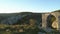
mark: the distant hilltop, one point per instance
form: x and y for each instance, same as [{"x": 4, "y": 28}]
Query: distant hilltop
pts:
[{"x": 26, "y": 12}]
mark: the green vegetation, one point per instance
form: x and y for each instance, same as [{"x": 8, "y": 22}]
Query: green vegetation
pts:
[
  {"x": 28, "y": 29},
  {"x": 24, "y": 29}
]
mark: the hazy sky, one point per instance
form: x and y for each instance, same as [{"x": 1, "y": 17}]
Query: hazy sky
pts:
[{"x": 9, "y": 6}]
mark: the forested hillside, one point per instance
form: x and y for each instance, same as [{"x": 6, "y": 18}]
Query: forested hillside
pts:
[{"x": 10, "y": 18}]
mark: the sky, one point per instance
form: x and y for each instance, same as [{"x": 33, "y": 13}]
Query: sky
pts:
[{"x": 37, "y": 6}]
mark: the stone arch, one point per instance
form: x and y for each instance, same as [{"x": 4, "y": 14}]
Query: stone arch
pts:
[
  {"x": 50, "y": 19},
  {"x": 55, "y": 22},
  {"x": 44, "y": 19}
]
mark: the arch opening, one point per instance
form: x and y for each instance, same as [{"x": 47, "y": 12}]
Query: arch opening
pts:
[{"x": 51, "y": 21}]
